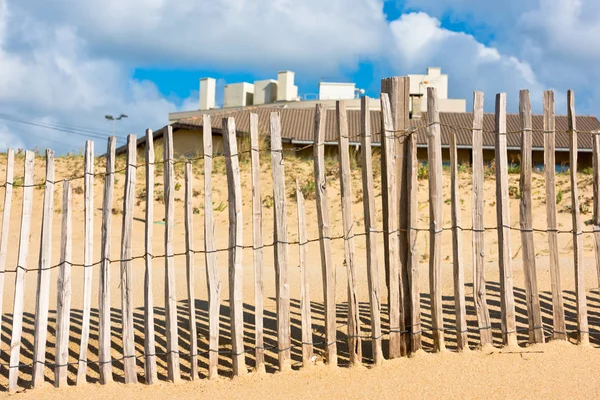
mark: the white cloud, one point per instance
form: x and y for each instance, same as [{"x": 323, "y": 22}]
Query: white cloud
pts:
[
  {"x": 421, "y": 42},
  {"x": 310, "y": 35}
]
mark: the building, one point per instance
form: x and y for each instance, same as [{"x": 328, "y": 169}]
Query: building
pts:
[
  {"x": 282, "y": 92},
  {"x": 298, "y": 123}
]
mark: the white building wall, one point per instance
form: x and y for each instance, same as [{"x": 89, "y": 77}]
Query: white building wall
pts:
[
  {"x": 239, "y": 95},
  {"x": 286, "y": 90},
  {"x": 434, "y": 78},
  {"x": 336, "y": 91},
  {"x": 265, "y": 92},
  {"x": 208, "y": 87}
]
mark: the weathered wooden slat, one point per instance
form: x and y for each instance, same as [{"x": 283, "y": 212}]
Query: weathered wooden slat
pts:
[
  {"x": 580, "y": 296},
  {"x": 413, "y": 293},
  {"x": 104, "y": 339},
  {"x": 43, "y": 282},
  {"x": 257, "y": 245},
  {"x": 390, "y": 230},
  {"x": 8, "y": 189},
  {"x": 507, "y": 300},
  {"x": 398, "y": 89},
  {"x": 434, "y": 163},
  {"x": 327, "y": 268},
  {"x": 282, "y": 284},
  {"x": 479, "y": 295},
  {"x": 210, "y": 247},
  {"x": 536, "y": 332},
  {"x": 235, "y": 246},
  {"x": 63, "y": 290},
  {"x": 151, "y": 373},
  {"x": 88, "y": 255},
  {"x": 189, "y": 269},
  {"x": 596, "y": 195},
  {"x": 127, "y": 333},
  {"x": 462, "y": 336},
  {"x": 370, "y": 229},
  {"x": 307, "y": 342},
  {"x": 354, "y": 339},
  {"x": 18, "y": 303},
  {"x": 173, "y": 368},
  {"x": 558, "y": 309}
]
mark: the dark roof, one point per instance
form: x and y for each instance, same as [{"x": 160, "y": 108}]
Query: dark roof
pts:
[{"x": 297, "y": 125}]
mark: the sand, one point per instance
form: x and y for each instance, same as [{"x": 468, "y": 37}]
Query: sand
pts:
[{"x": 552, "y": 370}]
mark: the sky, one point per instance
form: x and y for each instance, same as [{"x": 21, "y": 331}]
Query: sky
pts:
[{"x": 65, "y": 64}]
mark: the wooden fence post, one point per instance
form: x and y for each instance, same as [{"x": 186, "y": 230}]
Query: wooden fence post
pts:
[
  {"x": 8, "y": 189},
  {"x": 558, "y": 309},
  {"x": 307, "y": 343},
  {"x": 189, "y": 269},
  {"x": 479, "y": 296},
  {"x": 328, "y": 271},
  {"x": 354, "y": 339},
  {"x": 282, "y": 283},
  {"x": 536, "y": 331},
  {"x": 43, "y": 283},
  {"x": 151, "y": 374},
  {"x": 370, "y": 229},
  {"x": 580, "y": 296},
  {"x": 596, "y": 194},
  {"x": 413, "y": 294},
  {"x": 173, "y": 368},
  {"x": 63, "y": 302},
  {"x": 129, "y": 360},
  {"x": 398, "y": 89},
  {"x": 257, "y": 245},
  {"x": 235, "y": 246},
  {"x": 210, "y": 247},
  {"x": 462, "y": 335},
  {"x": 88, "y": 259},
  {"x": 25, "y": 235},
  {"x": 507, "y": 300},
  {"x": 434, "y": 163},
  {"x": 104, "y": 340},
  {"x": 397, "y": 347}
]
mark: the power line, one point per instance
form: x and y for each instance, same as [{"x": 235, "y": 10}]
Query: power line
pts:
[{"x": 85, "y": 132}]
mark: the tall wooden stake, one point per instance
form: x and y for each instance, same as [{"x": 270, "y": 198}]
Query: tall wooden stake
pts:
[
  {"x": 481, "y": 307},
  {"x": 151, "y": 373},
  {"x": 63, "y": 290},
  {"x": 127, "y": 332},
  {"x": 88, "y": 259},
  {"x": 558, "y": 309},
  {"x": 536, "y": 332},
  {"x": 210, "y": 247},
  {"x": 390, "y": 215},
  {"x": 282, "y": 283},
  {"x": 328, "y": 271},
  {"x": 354, "y": 340},
  {"x": 18, "y": 303},
  {"x": 307, "y": 343},
  {"x": 235, "y": 246},
  {"x": 462, "y": 336},
  {"x": 8, "y": 189},
  {"x": 580, "y": 297},
  {"x": 104, "y": 337},
  {"x": 43, "y": 284},
  {"x": 257, "y": 244},
  {"x": 370, "y": 230},
  {"x": 189, "y": 269},
  {"x": 173, "y": 368}
]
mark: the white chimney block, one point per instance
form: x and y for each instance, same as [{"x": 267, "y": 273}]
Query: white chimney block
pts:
[
  {"x": 286, "y": 90},
  {"x": 208, "y": 90}
]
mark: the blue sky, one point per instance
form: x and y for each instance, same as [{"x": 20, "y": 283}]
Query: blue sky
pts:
[{"x": 67, "y": 64}]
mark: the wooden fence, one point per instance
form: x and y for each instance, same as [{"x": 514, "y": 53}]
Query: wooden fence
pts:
[{"x": 401, "y": 321}]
